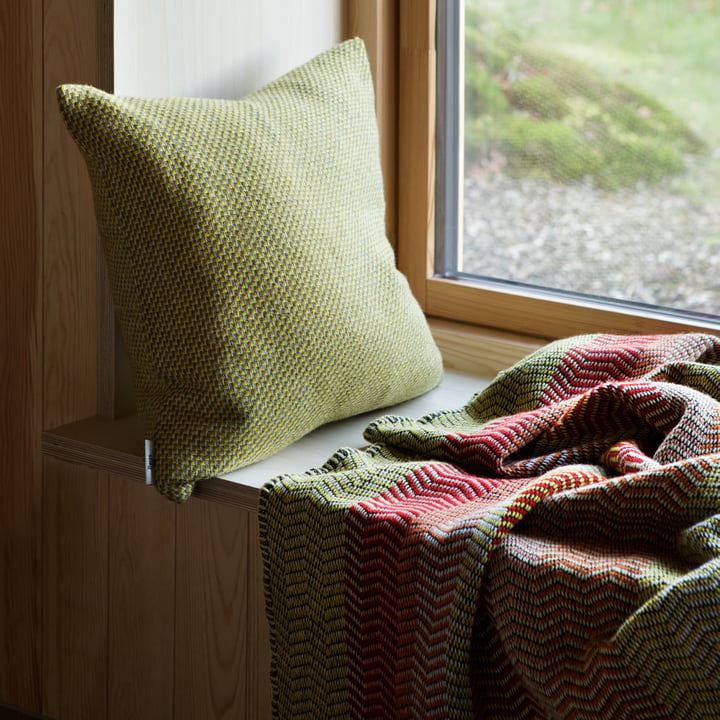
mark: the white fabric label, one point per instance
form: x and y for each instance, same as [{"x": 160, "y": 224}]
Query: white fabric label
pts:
[{"x": 149, "y": 461}]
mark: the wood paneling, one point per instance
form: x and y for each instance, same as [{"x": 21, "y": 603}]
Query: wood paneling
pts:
[
  {"x": 222, "y": 664},
  {"x": 21, "y": 353},
  {"x": 74, "y": 538},
  {"x": 75, "y": 592},
  {"x": 259, "y": 687},
  {"x": 116, "y": 446},
  {"x": 69, "y": 222},
  {"x": 141, "y": 619},
  {"x": 151, "y": 609}
]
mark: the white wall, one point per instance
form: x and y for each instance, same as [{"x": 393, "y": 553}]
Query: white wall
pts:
[{"x": 216, "y": 48}]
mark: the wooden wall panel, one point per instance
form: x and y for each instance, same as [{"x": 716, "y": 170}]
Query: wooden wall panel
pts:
[
  {"x": 141, "y": 602},
  {"x": 69, "y": 222},
  {"x": 75, "y": 592},
  {"x": 74, "y": 538},
  {"x": 259, "y": 688},
  {"x": 20, "y": 350},
  {"x": 220, "y": 671},
  {"x": 376, "y": 22}
]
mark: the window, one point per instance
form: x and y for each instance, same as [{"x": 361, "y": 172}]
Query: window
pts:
[{"x": 454, "y": 293}]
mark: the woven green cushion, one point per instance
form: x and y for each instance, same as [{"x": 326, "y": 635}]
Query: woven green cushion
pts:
[{"x": 245, "y": 242}]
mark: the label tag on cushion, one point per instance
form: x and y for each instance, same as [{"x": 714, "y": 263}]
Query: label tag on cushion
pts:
[{"x": 149, "y": 461}]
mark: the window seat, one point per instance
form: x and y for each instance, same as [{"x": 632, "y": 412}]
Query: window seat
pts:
[
  {"x": 116, "y": 446},
  {"x": 162, "y": 606},
  {"x": 472, "y": 357}
]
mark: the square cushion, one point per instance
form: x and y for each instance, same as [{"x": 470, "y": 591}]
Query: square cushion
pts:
[{"x": 245, "y": 243}]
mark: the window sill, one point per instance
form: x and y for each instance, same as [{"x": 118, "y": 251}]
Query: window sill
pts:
[
  {"x": 534, "y": 312},
  {"x": 472, "y": 358}
]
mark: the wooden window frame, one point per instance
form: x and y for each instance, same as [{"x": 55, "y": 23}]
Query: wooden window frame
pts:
[{"x": 486, "y": 305}]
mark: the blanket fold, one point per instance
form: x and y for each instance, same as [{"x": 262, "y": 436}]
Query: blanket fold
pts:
[{"x": 549, "y": 550}]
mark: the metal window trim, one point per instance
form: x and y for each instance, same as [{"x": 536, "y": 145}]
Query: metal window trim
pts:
[{"x": 449, "y": 75}]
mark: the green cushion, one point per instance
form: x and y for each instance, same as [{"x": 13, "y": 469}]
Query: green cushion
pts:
[{"x": 245, "y": 242}]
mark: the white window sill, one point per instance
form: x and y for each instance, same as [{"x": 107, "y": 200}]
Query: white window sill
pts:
[
  {"x": 315, "y": 449},
  {"x": 116, "y": 446},
  {"x": 472, "y": 356}
]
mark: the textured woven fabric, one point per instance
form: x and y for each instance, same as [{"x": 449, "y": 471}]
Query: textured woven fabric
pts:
[
  {"x": 247, "y": 256},
  {"x": 550, "y": 550}
]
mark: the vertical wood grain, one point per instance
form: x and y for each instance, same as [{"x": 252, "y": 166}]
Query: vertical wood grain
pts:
[
  {"x": 21, "y": 353},
  {"x": 69, "y": 222},
  {"x": 141, "y": 602},
  {"x": 75, "y": 591},
  {"x": 416, "y": 111},
  {"x": 221, "y": 672},
  {"x": 115, "y": 395},
  {"x": 75, "y": 570},
  {"x": 109, "y": 390},
  {"x": 259, "y": 687},
  {"x": 105, "y": 44},
  {"x": 375, "y": 21}
]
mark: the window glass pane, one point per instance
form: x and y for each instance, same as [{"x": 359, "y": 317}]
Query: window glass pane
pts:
[{"x": 591, "y": 148}]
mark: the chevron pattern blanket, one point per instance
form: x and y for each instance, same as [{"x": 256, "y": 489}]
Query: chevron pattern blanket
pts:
[{"x": 549, "y": 550}]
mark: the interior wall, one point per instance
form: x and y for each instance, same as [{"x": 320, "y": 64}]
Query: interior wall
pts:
[
  {"x": 216, "y": 48},
  {"x": 20, "y": 348},
  {"x": 47, "y": 312}
]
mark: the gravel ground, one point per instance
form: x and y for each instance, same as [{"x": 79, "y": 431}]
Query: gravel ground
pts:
[{"x": 646, "y": 245}]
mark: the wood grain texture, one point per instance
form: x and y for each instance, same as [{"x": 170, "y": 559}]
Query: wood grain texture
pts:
[
  {"x": 479, "y": 351},
  {"x": 151, "y": 609},
  {"x": 69, "y": 222},
  {"x": 259, "y": 687},
  {"x": 375, "y": 21},
  {"x": 116, "y": 447},
  {"x": 115, "y": 394},
  {"x": 105, "y": 44},
  {"x": 222, "y": 652},
  {"x": 416, "y": 143},
  {"x": 533, "y": 314},
  {"x": 75, "y": 592},
  {"x": 21, "y": 353},
  {"x": 141, "y": 607}
]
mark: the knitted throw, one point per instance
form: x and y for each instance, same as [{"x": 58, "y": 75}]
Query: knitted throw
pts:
[{"x": 550, "y": 550}]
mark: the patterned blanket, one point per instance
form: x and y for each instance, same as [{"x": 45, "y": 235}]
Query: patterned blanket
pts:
[{"x": 549, "y": 550}]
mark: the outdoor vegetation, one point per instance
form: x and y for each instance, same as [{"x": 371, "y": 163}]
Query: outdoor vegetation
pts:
[
  {"x": 538, "y": 99},
  {"x": 594, "y": 124}
]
